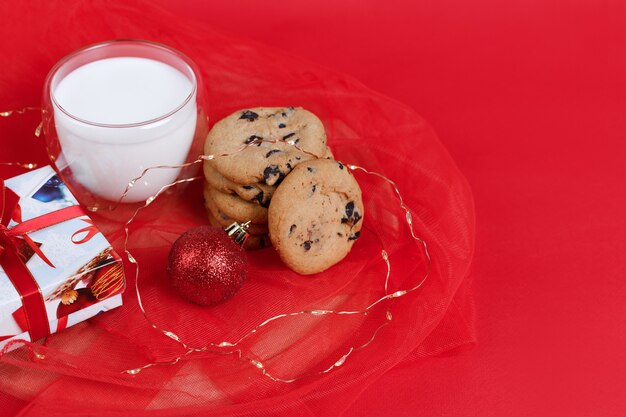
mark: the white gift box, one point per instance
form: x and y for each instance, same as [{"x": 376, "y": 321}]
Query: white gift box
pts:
[{"x": 82, "y": 277}]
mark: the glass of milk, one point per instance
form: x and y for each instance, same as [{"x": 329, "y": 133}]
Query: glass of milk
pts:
[{"x": 114, "y": 109}]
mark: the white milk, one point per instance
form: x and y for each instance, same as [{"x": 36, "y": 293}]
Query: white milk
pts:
[{"x": 116, "y": 97}]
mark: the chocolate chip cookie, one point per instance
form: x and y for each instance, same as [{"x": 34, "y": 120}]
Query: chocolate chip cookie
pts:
[
  {"x": 224, "y": 220},
  {"x": 234, "y": 207},
  {"x": 297, "y": 135},
  {"x": 316, "y": 215},
  {"x": 259, "y": 192}
]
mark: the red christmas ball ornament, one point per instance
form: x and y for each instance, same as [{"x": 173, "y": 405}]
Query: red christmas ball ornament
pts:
[{"x": 207, "y": 265}]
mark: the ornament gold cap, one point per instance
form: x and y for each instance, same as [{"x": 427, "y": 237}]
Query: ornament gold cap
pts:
[{"x": 238, "y": 232}]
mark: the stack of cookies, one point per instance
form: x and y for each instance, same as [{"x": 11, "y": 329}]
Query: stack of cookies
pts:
[
  {"x": 239, "y": 187},
  {"x": 254, "y": 151}
]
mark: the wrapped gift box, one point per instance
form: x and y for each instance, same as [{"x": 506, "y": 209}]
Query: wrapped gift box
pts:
[{"x": 61, "y": 270}]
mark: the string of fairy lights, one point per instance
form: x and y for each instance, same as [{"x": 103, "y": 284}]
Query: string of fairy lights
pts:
[{"x": 233, "y": 347}]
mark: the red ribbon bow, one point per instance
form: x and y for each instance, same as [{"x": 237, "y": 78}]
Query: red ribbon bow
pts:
[
  {"x": 13, "y": 262},
  {"x": 10, "y": 237},
  {"x": 90, "y": 231}
]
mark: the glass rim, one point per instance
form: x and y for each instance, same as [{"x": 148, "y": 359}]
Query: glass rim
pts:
[{"x": 184, "y": 58}]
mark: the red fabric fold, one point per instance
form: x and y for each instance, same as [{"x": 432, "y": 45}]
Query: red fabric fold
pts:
[{"x": 364, "y": 128}]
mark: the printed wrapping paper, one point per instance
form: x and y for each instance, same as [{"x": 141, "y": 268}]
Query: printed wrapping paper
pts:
[{"x": 73, "y": 265}]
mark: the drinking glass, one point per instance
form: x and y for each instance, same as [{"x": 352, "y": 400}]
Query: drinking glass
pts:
[{"x": 114, "y": 109}]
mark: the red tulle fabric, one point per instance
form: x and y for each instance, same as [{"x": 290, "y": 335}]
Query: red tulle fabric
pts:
[{"x": 81, "y": 372}]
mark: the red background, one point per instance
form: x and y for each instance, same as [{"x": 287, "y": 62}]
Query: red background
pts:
[{"x": 529, "y": 98}]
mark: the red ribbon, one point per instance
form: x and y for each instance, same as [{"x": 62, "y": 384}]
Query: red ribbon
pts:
[
  {"x": 90, "y": 231},
  {"x": 13, "y": 263}
]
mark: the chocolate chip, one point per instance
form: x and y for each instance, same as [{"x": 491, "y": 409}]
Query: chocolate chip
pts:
[
  {"x": 357, "y": 217},
  {"x": 313, "y": 188},
  {"x": 263, "y": 199},
  {"x": 297, "y": 141},
  {"x": 249, "y": 116},
  {"x": 273, "y": 151},
  {"x": 291, "y": 229},
  {"x": 349, "y": 209},
  {"x": 307, "y": 245},
  {"x": 248, "y": 187},
  {"x": 339, "y": 234},
  {"x": 288, "y": 136},
  {"x": 340, "y": 165},
  {"x": 344, "y": 220},
  {"x": 272, "y": 175},
  {"x": 252, "y": 138},
  {"x": 310, "y": 169},
  {"x": 355, "y": 236},
  {"x": 282, "y": 126},
  {"x": 288, "y": 165},
  {"x": 283, "y": 114},
  {"x": 298, "y": 158}
]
